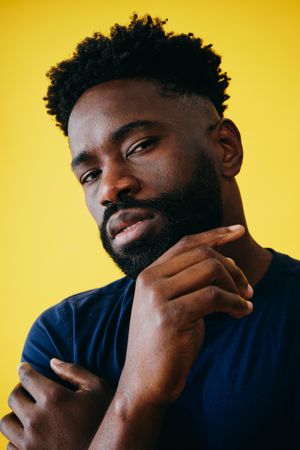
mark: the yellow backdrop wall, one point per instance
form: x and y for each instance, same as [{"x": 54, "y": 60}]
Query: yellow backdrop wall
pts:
[{"x": 49, "y": 244}]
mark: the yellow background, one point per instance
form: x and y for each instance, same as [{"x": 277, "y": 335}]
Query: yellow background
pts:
[{"x": 49, "y": 244}]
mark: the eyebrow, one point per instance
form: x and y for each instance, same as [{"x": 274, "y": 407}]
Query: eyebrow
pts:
[{"x": 117, "y": 136}]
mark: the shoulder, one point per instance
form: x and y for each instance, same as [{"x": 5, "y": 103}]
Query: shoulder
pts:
[
  {"x": 102, "y": 300},
  {"x": 75, "y": 321},
  {"x": 283, "y": 275},
  {"x": 277, "y": 296},
  {"x": 277, "y": 303},
  {"x": 288, "y": 266}
]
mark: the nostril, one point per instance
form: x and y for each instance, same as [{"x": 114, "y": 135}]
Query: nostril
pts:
[
  {"x": 124, "y": 193},
  {"x": 106, "y": 203}
]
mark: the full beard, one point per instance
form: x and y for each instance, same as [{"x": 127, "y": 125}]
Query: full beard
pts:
[{"x": 194, "y": 209}]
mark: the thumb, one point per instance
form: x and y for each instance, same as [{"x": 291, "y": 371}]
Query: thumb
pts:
[{"x": 75, "y": 374}]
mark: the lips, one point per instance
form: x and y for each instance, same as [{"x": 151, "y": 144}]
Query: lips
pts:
[{"x": 125, "y": 219}]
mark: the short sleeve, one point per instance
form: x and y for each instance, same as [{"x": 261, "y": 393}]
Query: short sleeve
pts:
[{"x": 49, "y": 337}]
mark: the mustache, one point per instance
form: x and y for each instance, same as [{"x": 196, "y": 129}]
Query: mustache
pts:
[{"x": 161, "y": 204}]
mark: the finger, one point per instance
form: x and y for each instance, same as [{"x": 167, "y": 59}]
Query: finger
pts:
[
  {"x": 198, "y": 304},
  {"x": 212, "y": 238},
  {"x": 240, "y": 279},
  {"x": 75, "y": 374},
  {"x": 11, "y": 446},
  {"x": 197, "y": 255},
  {"x": 20, "y": 402},
  {"x": 237, "y": 275},
  {"x": 210, "y": 272},
  {"x": 12, "y": 429},
  {"x": 38, "y": 386}
]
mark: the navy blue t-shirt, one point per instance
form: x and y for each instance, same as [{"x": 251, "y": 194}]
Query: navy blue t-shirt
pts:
[{"x": 242, "y": 393}]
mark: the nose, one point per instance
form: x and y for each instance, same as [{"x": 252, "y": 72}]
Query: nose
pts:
[{"x": 115, "y": 184}]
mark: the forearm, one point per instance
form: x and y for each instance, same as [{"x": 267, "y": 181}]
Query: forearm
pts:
[{"x": 128, "y": 426}]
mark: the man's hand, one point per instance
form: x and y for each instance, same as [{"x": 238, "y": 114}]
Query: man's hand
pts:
[
  {"x": 166, "y": 332},
  {"x": 49, "y": 416},
  {"x": 171, "y": 298}
]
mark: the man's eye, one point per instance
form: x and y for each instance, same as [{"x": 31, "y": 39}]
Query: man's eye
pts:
[
  {"x": 90, "y": 176},
  {"x": 141, "y": 145}
]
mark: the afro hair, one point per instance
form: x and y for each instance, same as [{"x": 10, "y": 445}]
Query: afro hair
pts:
[{"x": 141, "y": 50}]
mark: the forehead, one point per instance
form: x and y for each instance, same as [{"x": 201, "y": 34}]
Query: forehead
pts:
[{"x": 107, "y": 106}]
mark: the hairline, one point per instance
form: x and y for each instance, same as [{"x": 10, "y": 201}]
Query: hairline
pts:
[{"x": 166, "y": 90}]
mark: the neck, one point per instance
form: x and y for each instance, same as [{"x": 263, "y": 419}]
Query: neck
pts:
[{"x": 248, "y": 255}]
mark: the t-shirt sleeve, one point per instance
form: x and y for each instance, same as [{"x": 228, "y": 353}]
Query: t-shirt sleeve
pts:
[
  {"x": 293, "y": 350},
  {"x": 49, "y": 337}
]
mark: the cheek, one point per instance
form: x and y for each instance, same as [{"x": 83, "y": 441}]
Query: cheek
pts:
[
  {"x": 94, "y": 209},
  {"x": 171, "y": 173}
]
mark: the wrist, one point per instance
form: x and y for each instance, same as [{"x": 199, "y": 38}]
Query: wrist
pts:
[
  {"x": 129, "y": 423},
  {"x": 129, "y": 406}
]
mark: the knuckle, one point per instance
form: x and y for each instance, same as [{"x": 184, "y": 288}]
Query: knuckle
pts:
[
  {"x": 171, "y": 314},
  {"x": 214, "y": 266},
  {"x": 30, "y": 423},
  {"x": 152, "y": 289},
  {"x": 213, "y": 294},
  {"x": 51, "y": 397},
  {"x": 32, "y": 427},
  {"x": 157, "y": 291},
  {"x": 10, "y": 399},
  {"x": 185, "y": 242},
  {"x": 176, "y": 312},
  {"x": 205, "y": 252},
  {"x": 217, "y": 266},
  {"x": 144, "y": 279},
  {"x": 162, "y": 317},
  {"x": 12, "y": 395}
]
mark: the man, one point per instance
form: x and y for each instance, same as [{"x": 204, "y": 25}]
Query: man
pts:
[{"x": 174, "y": 355}]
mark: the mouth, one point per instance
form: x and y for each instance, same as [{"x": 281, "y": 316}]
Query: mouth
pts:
[{"x": 129, "y": 225}]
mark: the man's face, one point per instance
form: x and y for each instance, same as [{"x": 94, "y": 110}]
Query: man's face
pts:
[{"x": 146, "y": 164}]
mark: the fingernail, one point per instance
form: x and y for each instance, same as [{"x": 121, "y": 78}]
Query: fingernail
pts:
[
  {"x": 231, "y": 260},
  {"x": 235, "y": 227},
  {"x": 249, "y": 306},
  {"x": 249, "y": 291},
  {"x": 56, "y": 362},
  {"x": 22, "y": 366}
]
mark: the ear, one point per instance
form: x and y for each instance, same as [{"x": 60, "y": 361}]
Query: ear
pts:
[{"x": 229, "y": 140}]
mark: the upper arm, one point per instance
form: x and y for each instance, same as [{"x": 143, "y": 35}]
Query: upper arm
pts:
[{"x": 49, "y": 337}]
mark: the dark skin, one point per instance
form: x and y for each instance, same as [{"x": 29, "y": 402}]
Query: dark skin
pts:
[
  {"x": 200, "y": 274},
  {"x": 55, "y": 408}
]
